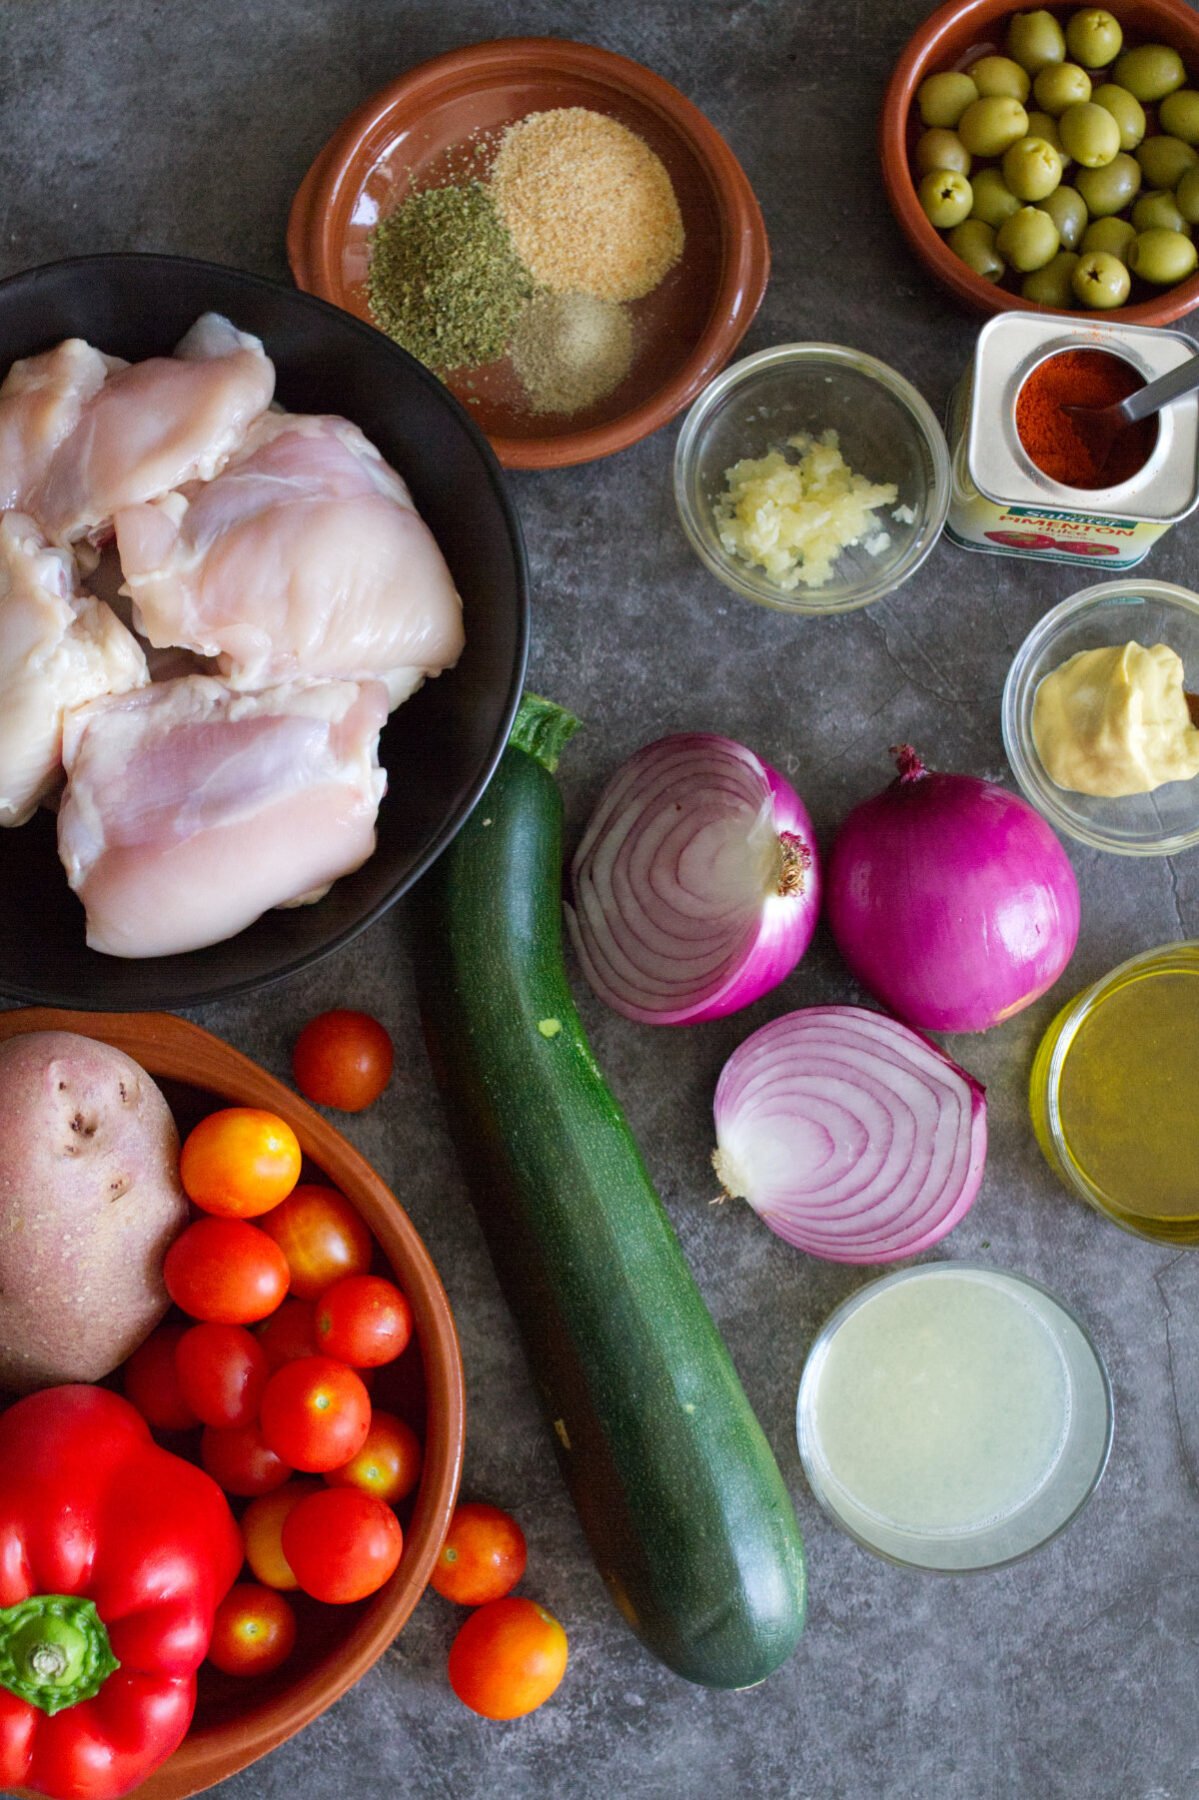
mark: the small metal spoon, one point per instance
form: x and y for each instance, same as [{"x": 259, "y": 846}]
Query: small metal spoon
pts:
[{"x": 1100, "y": 426}]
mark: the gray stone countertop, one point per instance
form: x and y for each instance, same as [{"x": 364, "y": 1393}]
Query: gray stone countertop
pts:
[{"x": 173, "y": 125}]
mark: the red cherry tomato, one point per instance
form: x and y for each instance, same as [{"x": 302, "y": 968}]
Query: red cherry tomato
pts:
[
  {"x": 315, "y": 1413},
  {"x": 343, "y": 1059},
  {"x": 222, "y": 1370},
  {"x": 322, "y": 1238},
  {"x": 483, "y": 1556},
  {"x": 241, "y": 1461},
  {"x": 363, "y": 1320},
  {"x": 290, "y": 1331},
  {"x": 261, "y": 1532},
  {"x": 225, "y": 1271},
  {"x": 240, "y": 1162},
  {"x": 254, "y": 1630},
  {"x": 388, "y": 1464},
  {"x": 342, "y": 1544},
  {"x": 151, "y": 1381},
  {"x": 507, "y": 1659}
]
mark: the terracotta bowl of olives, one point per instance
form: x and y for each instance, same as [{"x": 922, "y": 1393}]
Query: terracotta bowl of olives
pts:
[{"x": 1048, "y": 159}]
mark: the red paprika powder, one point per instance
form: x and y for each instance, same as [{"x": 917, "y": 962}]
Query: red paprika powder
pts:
[{"x": 1081, "y": 378}]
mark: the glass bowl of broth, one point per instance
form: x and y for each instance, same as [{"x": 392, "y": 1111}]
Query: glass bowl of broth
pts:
[{"x": 1113, "y": 1093}]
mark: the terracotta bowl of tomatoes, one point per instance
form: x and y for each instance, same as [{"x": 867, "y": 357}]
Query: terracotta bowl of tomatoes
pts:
[{"x": 239, "y": 1719}]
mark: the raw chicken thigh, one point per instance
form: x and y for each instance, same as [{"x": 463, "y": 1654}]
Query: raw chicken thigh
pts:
[
  {"x": 305, "y": 556},
  {"x": 150, "y": 427},
  {"x": 58, "y": 648},
  {"x": 41, "y": 401},
  {"x": 190, "y": 810}
]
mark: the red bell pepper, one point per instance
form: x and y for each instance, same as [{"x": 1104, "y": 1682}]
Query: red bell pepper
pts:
[{"x": 114, "y": 1555}]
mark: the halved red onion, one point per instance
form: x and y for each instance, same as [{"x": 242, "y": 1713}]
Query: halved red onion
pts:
[
  {"x": 696, "y": 884},
  {"x": 851, "y": 1135}
]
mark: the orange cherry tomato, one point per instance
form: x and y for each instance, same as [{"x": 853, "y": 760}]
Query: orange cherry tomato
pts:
[
  {"x": 226, "y": 1271},
  {"x": 483, "y": 1556},
  {"x": 322, "y": 1238},
  {"x": 253, "y": 1632},
  {"x": 343, "y": 1059},
  {"x": 342, "y": 1544},
  {"x": 262, "y": 1529},
  {"x": 288, "y": 1332},
  {"x": 241, "y": 1461},
  {"x": 151, "y": 1381},
  {"x": 507, "y": 1659},
  {"x": 315, "y": 1413},
  {"x": 364, "y": 1321},
  {"x": 240, "y": 1162},
  {"x": 388, "y": 1464}
]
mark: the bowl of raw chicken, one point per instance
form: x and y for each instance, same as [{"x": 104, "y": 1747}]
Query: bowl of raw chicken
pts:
[{"x": 263, "y": 626}]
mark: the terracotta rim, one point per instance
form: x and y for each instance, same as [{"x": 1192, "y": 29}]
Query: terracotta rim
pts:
[
  {"x": 320, "y": 211},
  {"x": 935, "y": 42},
  {"x": 173, "y": 1049}
]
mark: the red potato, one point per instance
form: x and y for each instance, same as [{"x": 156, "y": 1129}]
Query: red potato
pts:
[{"x": 89, "y": 1203}]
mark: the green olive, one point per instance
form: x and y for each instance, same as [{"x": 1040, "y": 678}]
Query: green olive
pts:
[
  {"x": 989, "y": 126},
  {"x": 1065, "y": 207},
  {"x": 1044, "y": 125},
  {"x": 1113, "y": 236},
  {"x": 1093, "y": 37},
  {"x": 1028, "y": 240},
  {"x": 1059, "y": 85},
  {"x": 1110, "y": 189},
  {"x": 943, "y": 99},
  {"x": 1179, "y": 115},
  {"x": 1032, "y": 168},
  {"x": 1035, "y": 39},
  {"x": 1089, "y": 134},
  {"x": 1100, "y": 281},
  {"x": 974, "y": 242},
  {"x": 1128, "y": 113},
  {"x": 1052, "y": 285},
  {"x": 1186, "y": 195},
  {"x": 1162, "y": 257},
  {"x": 941, "y": 149},
  {"x": 1150, "y": 72},
  {"x": 1165, "y": 160},
  {"x": 946, "y": 198},
  {"x": 999, "y": 76},
  {"x": 994, "y": 200},
  {"x": 1159, "y": 211}
]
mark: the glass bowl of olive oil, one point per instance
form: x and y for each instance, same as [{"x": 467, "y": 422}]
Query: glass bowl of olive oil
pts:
[{"x": 1113, "y": 1095}]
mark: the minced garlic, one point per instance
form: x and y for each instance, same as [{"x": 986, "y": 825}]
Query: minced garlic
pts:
[{"x": 794, "y": 518}]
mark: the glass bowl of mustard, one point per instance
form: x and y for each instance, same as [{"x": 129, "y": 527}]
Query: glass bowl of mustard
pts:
[
  {"x": 1112, "y": 1095},
  {"x": 1101, "y": 719},
  {"x": 744, "y": 470}
]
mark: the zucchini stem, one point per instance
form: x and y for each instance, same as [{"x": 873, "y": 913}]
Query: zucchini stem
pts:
[{"x": 542, "y": 730}]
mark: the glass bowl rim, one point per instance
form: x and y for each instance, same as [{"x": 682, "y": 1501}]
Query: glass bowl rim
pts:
[
  {"x": 1023, "y": 761},
  {"x": 850, "y": 1305},
  {"x": 780, "y": 356}
]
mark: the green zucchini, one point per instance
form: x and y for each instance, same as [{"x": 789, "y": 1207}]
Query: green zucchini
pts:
[{"x": 681, "y": 1499}]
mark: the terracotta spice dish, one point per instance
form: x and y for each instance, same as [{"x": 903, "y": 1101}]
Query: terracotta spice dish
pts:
[
  {"x": 438, "y": 123},
  {"x": 953, "y": 36},
  {"x": 238, "y": 1721}
]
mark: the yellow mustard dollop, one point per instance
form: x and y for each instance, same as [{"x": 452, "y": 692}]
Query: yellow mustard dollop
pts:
[{"x": 1115, "y": 721}]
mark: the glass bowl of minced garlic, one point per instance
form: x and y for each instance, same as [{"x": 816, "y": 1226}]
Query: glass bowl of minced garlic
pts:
[
  {"x": 1101, "y": 717},
  {"x": 811, "y": 478}
]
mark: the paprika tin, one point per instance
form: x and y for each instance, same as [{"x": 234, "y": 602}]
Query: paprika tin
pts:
[{"x": 1003, "y": 504}]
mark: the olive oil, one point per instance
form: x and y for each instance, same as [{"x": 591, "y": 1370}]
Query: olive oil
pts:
[{"x": 1115, "y": 1095}]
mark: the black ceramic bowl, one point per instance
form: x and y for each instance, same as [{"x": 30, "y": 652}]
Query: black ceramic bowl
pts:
[{"x": 439, "y": 749}]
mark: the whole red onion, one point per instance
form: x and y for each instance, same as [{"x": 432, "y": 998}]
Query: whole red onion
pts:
[{"x": 950, "y": 899}]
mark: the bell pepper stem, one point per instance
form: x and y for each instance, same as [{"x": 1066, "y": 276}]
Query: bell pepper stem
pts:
[{"x": 54, "y": 1651}]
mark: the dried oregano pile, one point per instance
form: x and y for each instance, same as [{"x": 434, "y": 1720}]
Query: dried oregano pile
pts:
[{"x": 577, "y": 219}]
